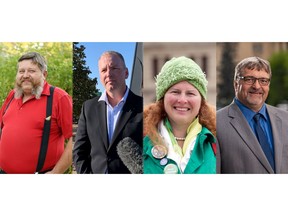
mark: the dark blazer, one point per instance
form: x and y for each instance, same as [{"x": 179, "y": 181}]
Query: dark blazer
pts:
[
  {"x": 92, "y": 152},
  {"x": 238, "y": 148}
]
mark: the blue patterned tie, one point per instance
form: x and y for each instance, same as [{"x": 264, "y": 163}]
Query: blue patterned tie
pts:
[{"x": 263, "y": 140}]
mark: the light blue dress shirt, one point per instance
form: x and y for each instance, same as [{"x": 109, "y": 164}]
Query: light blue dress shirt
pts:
[{"x": 113, "y": 112}]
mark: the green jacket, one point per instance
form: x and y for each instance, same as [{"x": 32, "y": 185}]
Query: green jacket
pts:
[{"x": 202, "y": 160}]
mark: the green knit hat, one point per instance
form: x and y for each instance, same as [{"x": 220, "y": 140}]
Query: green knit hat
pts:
[{"x": 177, "y": 70}]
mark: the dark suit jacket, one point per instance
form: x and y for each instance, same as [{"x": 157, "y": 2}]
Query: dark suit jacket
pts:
[
  {"x": 92, "y": 152},
  {"x": 238, "y": 148}
]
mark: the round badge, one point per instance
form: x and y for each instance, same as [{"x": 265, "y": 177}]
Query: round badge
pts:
[
  {"x": 164, "y": 161},
  {"x": 171, "y": 169},
  {"x": 159, "y": 151}
]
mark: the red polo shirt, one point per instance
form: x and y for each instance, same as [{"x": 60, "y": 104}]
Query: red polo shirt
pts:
[{"x": 22, "y": 130}]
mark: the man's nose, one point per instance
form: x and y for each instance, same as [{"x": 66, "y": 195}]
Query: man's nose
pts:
[
  {"x": 256, "y": 84},
  {"x": 26, "y": 73},
  {"x": 109, "y": 72}
]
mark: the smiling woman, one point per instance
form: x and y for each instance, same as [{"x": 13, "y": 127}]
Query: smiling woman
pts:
[
  {"x": 182, "y": 103},
  {"x": 180, "y": 126}
]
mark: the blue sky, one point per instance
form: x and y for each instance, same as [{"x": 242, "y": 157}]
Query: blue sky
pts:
[{"x": 94, "y": 50}]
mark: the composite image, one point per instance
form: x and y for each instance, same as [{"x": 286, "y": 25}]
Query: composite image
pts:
[{"x": 144, "y": 107}]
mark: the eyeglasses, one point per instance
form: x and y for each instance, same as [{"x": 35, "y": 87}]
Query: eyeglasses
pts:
[{"x": 250, "y": 80}]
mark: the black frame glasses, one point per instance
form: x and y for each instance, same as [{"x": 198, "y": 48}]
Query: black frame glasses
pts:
[{"x": 250, "y": 80}]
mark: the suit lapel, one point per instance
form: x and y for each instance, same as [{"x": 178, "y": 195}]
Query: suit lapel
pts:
[
  {"x": 277, "y": 130},
  {"x": 239, "y": 123},
  {"x": 101, "y": 113}
]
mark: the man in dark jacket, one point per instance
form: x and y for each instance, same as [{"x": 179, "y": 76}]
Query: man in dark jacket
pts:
[{"x": 107, "y": 120}]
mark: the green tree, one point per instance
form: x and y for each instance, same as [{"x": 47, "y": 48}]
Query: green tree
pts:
[
  {"x": 279, "y": 83},
  {"x": 84, "y": 86},
  {"x": 225, "y": 89}
]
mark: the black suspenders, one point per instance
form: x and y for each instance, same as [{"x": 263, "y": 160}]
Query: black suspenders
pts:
[{"x": 46, "y": 131}]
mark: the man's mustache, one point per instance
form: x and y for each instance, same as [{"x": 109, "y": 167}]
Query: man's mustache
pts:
[
  {"x": 256, "y": 91},
  {"x": 25, "y": 79}
]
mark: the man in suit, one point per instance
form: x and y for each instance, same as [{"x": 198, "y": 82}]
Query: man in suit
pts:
[
  {"x": 252, "y": 135},
  {"x": 107, "y": 120}
]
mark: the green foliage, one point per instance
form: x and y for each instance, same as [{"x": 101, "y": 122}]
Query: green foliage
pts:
[
  {"x": 225, "y": 89},
  {"x": 84, "y": 86},
  {"x": 279, "y": 83},
  {"x": 59, "y": 60}
]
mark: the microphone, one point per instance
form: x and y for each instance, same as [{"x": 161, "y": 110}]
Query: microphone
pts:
[{"x": 131, "y": 155}]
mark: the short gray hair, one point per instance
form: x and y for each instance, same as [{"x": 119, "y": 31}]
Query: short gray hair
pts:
[
  {"x": 36, "y": 59},
  {"x": 114, "y": 53},
  {"x": 252, "y": 63}
]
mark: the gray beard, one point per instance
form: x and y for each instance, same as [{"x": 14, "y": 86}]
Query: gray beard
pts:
[{"x": 37, "y": 91}]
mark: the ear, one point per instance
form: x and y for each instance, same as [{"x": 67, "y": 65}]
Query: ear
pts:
[
  {"x": 45, "y": 74},
  {"x": 126, "y": 73},
  {"x": 235, "y": 84}
]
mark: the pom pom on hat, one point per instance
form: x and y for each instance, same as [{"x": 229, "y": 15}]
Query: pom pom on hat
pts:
[{"x": 177, "y": 70}]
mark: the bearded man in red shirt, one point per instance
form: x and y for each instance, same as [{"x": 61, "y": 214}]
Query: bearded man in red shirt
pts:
[{"x": 22, "y": 118}]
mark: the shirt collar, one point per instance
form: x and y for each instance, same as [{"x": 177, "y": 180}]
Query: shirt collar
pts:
[
  {"x": 104, "y": 97},
  {"x": 248, "y": 113},
  {"x": 46, "y": 89}
]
